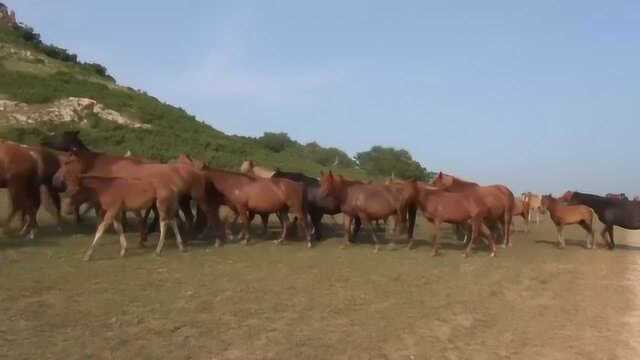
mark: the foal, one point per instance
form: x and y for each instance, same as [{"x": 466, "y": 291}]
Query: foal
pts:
[
  {"x": 562, "y": 215},
  {"x": 115, "y": 195}
]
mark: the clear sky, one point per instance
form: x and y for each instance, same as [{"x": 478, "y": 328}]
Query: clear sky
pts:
[{"x": 540, "y": 95}]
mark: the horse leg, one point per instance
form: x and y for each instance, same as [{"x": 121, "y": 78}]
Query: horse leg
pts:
[
  {"x": 435, "y": 237},
  {"x": 316, "y": 222},
  {"x": 123, "y": 240},
  {"x": 142, "y": 226},
  {"x": 176, "y": 232},
  {"x": 245, "y": 234},
  {"x": 153, "y": 227},
  {"x": 561, "y": 244},
  {"x": 163, "y": 232},
  {"x": 356, "y": 228},
  {"x": 370, "y": 227},
  {"x": 108, "y": 219},
  {"x": 475, "y": 229},
  {"x": 489, "y": 235},
  {"x": 612, "y": 244},
  {"x": 56, "y": 201},
  {"x": 265, "y": 223},
  {"x": 348, "y": 220},
  {"x": 283, "y": 216},
  {"x": 185, "y": 205},
  {"x": 587, "y": 227},
  {"x": 461, "y": 233}
]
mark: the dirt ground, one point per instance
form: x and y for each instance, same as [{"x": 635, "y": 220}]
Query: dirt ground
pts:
[{"x": 532, "y": 301}]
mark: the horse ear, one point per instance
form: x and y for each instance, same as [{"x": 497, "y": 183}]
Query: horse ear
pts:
[{"x": 440, "y": 175}]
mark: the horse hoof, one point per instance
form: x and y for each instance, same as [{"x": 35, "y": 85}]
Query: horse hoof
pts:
[
  {"x": 157, "y": 253},
  {"x": 86, "y": 258},
  {"x": 218, "y": 244},
  {"x": 309, "y": 245},
  {"x": 465, "y": 255},
  {"x": 492, "y": 254},
  {"x": 122, "y": 253}
]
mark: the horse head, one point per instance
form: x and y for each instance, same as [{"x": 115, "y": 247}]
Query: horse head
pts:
[
  {"x": 567, "y": 196},
  {"x": 68, "y": 175},
  {"x": 67, "y": 141}
]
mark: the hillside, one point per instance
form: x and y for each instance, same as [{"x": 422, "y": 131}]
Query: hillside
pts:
[{"x": 44, "y": 89}]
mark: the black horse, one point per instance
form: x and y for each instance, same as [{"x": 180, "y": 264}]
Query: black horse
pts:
[
  {"x": 318, "y": 205},
  {"x": 625, "y": 214}
]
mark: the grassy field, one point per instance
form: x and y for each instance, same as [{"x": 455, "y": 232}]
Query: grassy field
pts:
[{"x": 532, "y": 301}]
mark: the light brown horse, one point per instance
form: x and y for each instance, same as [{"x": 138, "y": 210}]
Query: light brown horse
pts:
[
  {"x": 458, "y": 208},
  {"x": 563, "y": 215},
  {"x": 521, "y": 208},
  {"x": 250, "y": 168},
  {"x": 19, "y": 174},
  {"x": 115, "y": 195},
  {"x": 498, "y": 198},
  {"x": 535, "y": 205},
  {"x": 368, "y": 202}
]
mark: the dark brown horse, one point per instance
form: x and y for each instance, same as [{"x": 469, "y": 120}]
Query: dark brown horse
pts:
[
  {"x": 563, "y": 215},
  {"x": 498, "y": 198},
  {"x": 611, "y": 212},
  {"x": 368, "y": 202},
  {"x": 621, "y": 196},
  {"x": 457, "y": 208},
  {"x": 19, "y": 174},
  {"x": 115, "y": 195}
]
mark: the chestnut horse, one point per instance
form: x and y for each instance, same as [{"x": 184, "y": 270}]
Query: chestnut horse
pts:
[
  {"x": 498, "y": 197},
  {"x": 114, "y": 195},
  {"x": 368, "y": 202},
  {"x": 563, "y": 215},
  {"x": 625, "y": 214},
  {"x": 19, "y": 173},
  {"x": 457, "y": 208},
  {"x": 246, "y": 195},
  {"x": 180, "y": 176}
]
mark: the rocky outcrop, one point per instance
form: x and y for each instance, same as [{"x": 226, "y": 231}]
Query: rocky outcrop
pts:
[
  {"x": 70, "y": 109},
  {"x": 7, "y": 16}
]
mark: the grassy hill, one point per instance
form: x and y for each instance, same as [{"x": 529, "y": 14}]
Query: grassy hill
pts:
[{"x": 36, "y": 75}]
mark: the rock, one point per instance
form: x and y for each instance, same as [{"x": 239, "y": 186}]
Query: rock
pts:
[{"x": 70, "y": 109}]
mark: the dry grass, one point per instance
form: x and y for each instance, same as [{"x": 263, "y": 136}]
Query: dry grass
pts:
[{"x": 531, "y": 302}]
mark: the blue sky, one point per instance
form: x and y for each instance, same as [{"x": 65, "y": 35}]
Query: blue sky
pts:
[{"x": 542, "y": 96}]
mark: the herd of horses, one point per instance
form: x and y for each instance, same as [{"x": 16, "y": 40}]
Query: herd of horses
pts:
[{"x": 114, "y": 185}]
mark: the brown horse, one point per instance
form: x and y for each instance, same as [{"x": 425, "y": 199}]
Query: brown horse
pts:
[
  {"x": 180, "y": 176},
  {"x": 620, "y": 196},
  {"x": 246, "y": 196},
  {"x": 498, "y": 198},
  {"x": 563, "y": 215},
  {"x": 19, "y": 174},
  {"x": 368, "y": 202},
  {"x": 458, "y": 208},
  {"x": 115, "y": 195}
]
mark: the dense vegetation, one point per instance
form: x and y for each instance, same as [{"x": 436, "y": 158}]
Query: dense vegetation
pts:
[{"x": 173, "y": 131}]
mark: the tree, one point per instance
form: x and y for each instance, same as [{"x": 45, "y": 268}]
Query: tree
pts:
[
  {"x": 329, "y": 157},
  {"x": 276, "y": 142},
  {"x": 385, "y": 161}
]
